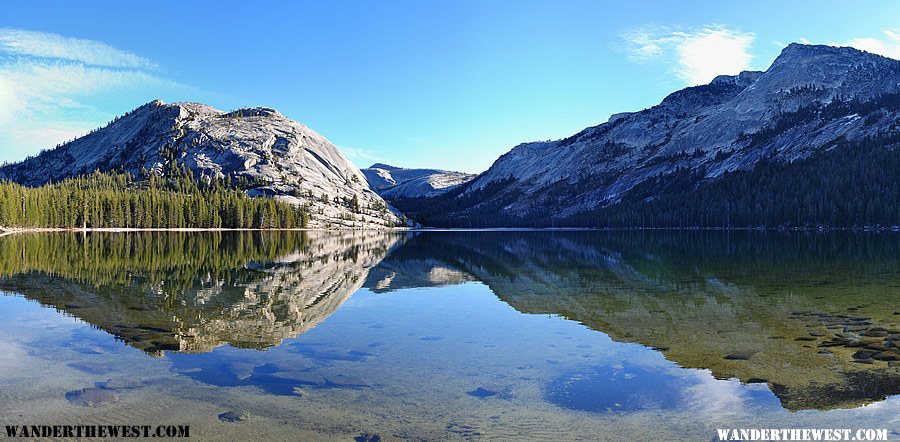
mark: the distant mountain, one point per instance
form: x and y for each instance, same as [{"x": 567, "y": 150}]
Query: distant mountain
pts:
[
  {"x": 810, "y": 141},
  {"x": 257, "y": 148},
  {"x": 397, "y": 183}
]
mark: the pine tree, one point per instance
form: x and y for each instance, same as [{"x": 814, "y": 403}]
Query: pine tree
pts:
[{"x": 116, "y": 200}]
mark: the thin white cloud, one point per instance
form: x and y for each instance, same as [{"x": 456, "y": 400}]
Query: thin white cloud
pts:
[
  {"x": 40, "y": 87},
  {"x": 50, "y": 135},
  {"x": 53, "y": 88},
  {"x": 6, "y": 98},
  {"x": 696, "y": 56},
  {"x": 46, "y": 45},
  {"x": 888, "y": 46},
  {"x": 358, "y": 155}
]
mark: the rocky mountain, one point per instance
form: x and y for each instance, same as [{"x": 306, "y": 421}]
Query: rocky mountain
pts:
[
  {"x": 270, "y": 154},
  {"x": 394, "y": 183},
  {"x": 741, "y": 150}
]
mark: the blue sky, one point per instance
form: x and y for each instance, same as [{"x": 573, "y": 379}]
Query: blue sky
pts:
[{"x": 449, "y": 84}]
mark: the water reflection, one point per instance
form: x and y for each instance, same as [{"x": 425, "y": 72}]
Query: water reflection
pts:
[
  {"x": 813, "y": 316},
  {"x": 812, "y": 319},
  {"x": 191, "y": 292}
]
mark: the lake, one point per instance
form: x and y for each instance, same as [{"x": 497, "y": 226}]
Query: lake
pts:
[{"x": 480, "y": 335}]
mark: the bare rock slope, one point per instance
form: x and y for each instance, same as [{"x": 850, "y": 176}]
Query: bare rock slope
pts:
[
  {"x": 394, "y": 183},
  {"x": 810, "y": 100},
  {"x": 279, "y": 157}
]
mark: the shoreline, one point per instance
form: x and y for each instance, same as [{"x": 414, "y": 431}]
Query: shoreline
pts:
[
  {"x": 9, "y": 231},
  {"x": 870, "y": 229},
  {"x": 867, "y": 229}
]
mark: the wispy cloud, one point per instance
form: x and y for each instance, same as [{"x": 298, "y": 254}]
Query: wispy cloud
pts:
[
  {"x": 696, "y": 56},
  {"x": 362, "y": 157},
  {"x": 53, "y": 88},
  {"x": 888, "y": 46},
  {"x": 46, "y": 45}
]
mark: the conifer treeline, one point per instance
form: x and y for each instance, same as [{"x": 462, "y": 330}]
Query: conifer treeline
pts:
[
  {"x": 853, "y": 185},
  {"x": 117, "y": 200}
]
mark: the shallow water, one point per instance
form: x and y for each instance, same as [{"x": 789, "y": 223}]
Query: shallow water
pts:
[{"x": 454, "y": 335}]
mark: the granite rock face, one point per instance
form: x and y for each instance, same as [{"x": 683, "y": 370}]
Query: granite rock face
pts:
[
  {"x": 396, "y": 182},
  {"x": 281, "y": 158},
  {"x": 730, "y": 124}
]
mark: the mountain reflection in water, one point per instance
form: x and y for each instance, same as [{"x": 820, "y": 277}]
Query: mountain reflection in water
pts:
[
  {"x": 190, "y": 292},
  {"x": 812, "y": 316}
]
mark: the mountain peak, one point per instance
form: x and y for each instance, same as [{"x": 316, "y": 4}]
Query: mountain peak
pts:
[
  {"x": 276, "y": 156},
  {"x": 744, "y": 78},
  {"x": 384, "y": 166},
  {"x": 254, "y": 112},
  {"x": 394, "y": 183},
  {"x": 804, "y": 53},
  {"x": 733, "y": 123}
]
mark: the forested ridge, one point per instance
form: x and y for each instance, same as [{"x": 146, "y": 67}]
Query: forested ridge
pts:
[
  {"x": 174, "y": 199},
  {"x": 813, "y": 142},
  {"x": 853, "y": 185}
]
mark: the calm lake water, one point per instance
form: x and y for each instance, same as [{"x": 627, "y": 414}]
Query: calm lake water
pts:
[{"x": 452, "y": 335}]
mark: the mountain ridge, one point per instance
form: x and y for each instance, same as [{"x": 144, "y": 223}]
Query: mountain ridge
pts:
[
  {"x": 392, "y": 182},
  {"x": 811, "y": 100},
  {"x": 256, "y": 148},
  {"x": 736, "y": 152}
]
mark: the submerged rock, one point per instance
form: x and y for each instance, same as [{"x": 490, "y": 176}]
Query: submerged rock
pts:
[
  {"x": 91, "y": 397},
  {"x": 482, "y": 393},
  {"x": 886, "y": 356},
  {"x": 234, "y": 416},
  {"x": 863, "y": 354},
  {"x": 91, "y": 367},
  {"x": 120, "y": 384},
  {"x": 346, "y": 381},
  {"x": 299, "y": 377},
  {"x": 368, "y": 437},
  {"x": 279, "y": 367},
  {"x": 742, "y": 355}
]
